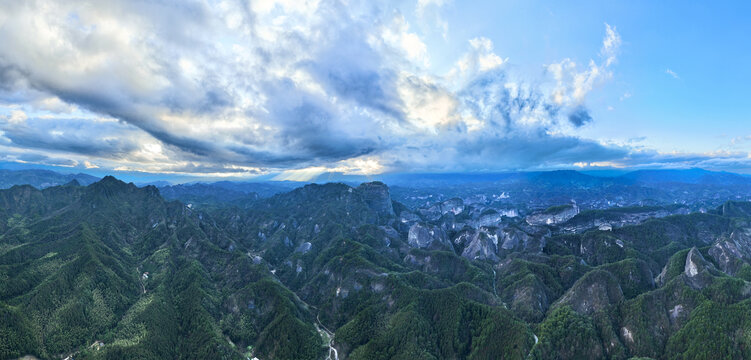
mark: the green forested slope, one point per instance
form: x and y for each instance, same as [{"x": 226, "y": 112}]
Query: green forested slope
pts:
[{"x": 113, "y": 271}]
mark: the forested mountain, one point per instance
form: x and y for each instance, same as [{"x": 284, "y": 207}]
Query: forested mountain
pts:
[{"x": 114, "y": 271}]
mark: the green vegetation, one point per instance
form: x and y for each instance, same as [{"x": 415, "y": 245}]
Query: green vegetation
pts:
[
  {"x": 112, "y": 271},
  {"x": 567, "y": 335},
  {"x": 439, "y": 324}
]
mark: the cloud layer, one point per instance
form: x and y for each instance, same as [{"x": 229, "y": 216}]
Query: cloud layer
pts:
[{"x": 236, "y": 87}]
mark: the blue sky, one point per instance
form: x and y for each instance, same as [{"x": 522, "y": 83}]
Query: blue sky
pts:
[
  {"x": 234, "y": 88},
  {"x": 702, "y": 108}
]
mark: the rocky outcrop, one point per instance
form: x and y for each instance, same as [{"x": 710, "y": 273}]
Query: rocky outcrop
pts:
[
  {"x": 391, "y": 235},
  {"x": 492, "y": 243},
  {"x": 434, "y": 212},
  {"x": 731, "y": 254},
  {"x": 454, "y": 206},
  {"x": 489, "y": 217},
  {"x": 514, "y": 239},
  {"x": 304, "y": 248},
  {"x": 553, "y": 216},
  {"x": 425, "y": 236},
  {"x": 698, "y": 272},
  {"x": 616, "y": 218},
  {"x": 480, "y": 245},
  {"x": 661, "y": 278},
  {"x": 377, "y": 197}
]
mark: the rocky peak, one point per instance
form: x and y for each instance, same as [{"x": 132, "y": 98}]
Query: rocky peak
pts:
[
  {"x": 454, "y": 206},
  {"x": 695, "y": 263},
  {"x": 377, "y": 197},
  {"x": 110, "y": 184},
  {"x": 482, "y": 244},
  {"x": 110, "y": 189},
  {"x": 697, "y": 271},
  {"x": 109, "y": 179}
]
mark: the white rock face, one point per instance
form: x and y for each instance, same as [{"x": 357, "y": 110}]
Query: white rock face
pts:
[
  {"x": 691, "y": 268},
  {"x": 304, "y": 247},
  {"x": 424, "y": 236},
  {"x": 513, "y": 238},
  {"x": 553, "y": 218},
  {"x": 733, "y": 252},
  {"x": 626, "y": 333},
  {"x": 434, "y": 212},
  {"x": 509, "y": 212},
  {"x": 455, "y": 206},
  {"x": 483, "y": 244},
  {"x": 491, "y": 218},
  {"x": 676, "y": 311},
  {"x": 698, "y": 271}
]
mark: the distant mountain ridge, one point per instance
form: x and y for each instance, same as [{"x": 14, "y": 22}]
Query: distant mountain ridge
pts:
[
  {"x": 552, "y": 177},
  {"x": 41, "y": 179},
  {"x": 688, "y": 176}
]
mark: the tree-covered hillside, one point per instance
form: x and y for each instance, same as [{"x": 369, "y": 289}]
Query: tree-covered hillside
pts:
[{"x": 114, "y": 271}]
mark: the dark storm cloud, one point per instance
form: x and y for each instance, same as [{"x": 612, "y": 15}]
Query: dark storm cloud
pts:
[
  {"x": 579, "y": 117},
  {"x": 117, "y": 106},
  {"x": 77, "y": 136}
]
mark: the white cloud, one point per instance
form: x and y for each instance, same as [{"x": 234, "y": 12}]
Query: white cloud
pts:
[
  {"x": 574, "y": 84},
  {"x": 358, "y": 166},
  {"x": 398, "y": 36},
  {"x": 54, "y": 104},
  {"x": 17, "y": 117},
  {"x": 672, "y": 73},
  {"x": 480, "y": 58},
  {"x": 610, "y": 45},
  {"x": 423, "y": 4},
  {"x": 296, "y": 87},
  {"x": 430, "y": 11},
  {"x": 427, "y": 105}
]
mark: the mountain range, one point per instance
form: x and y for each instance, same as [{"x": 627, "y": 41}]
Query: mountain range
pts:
[
  {"x": 110, "y": 270},
  {"x": 41, "y": 178}
]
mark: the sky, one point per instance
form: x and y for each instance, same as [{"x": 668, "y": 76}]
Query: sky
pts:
[{"x": 291, "y": 89}]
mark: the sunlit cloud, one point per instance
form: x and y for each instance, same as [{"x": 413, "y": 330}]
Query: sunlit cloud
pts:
[{"x": 283, "y": 87}]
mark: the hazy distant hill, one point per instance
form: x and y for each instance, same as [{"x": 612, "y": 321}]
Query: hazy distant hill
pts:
[
  {"x": 556, "y": 177},
  {"x": 687, "y": 176},
  {"x": 225, "y": 192},
  {"x": 41, "y": 179}
]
